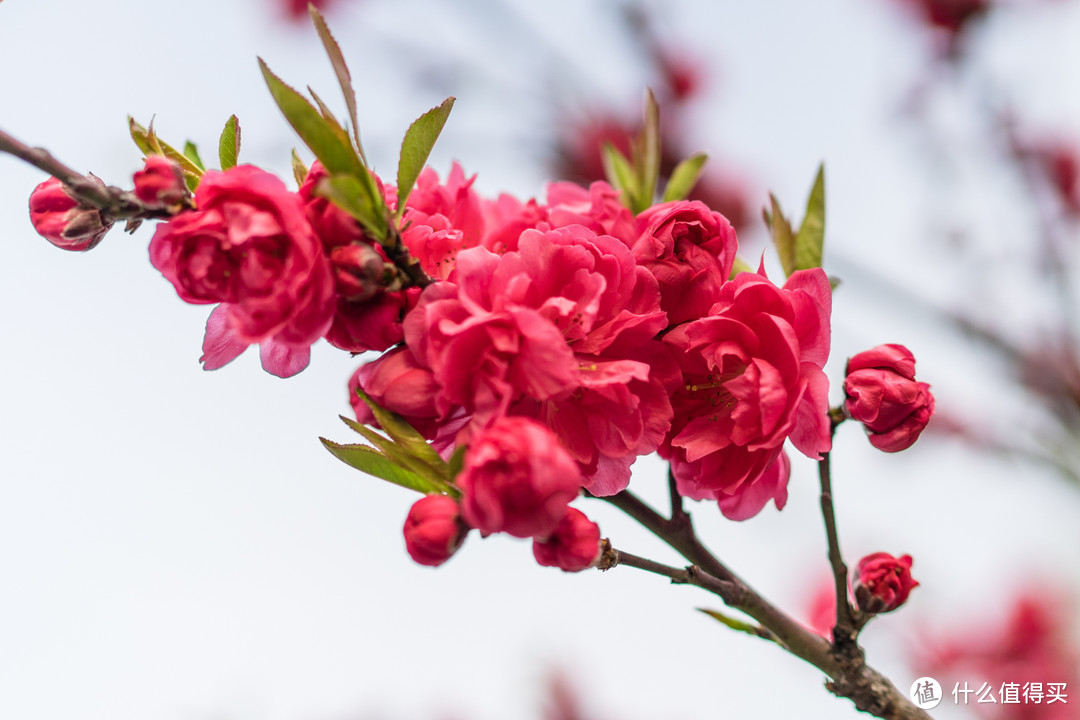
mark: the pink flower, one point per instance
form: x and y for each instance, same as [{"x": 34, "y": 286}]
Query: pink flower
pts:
[
  {"x": 883, "y": 395},
  {"x": 517, "y": 479},
  {"x": 64, "y": 221},
  {"x": 597, "y": 207},
  {"x": 434, "y": 530},
  {"x": 249, "y": 246},
  {"x": 882, "y": 582},
  {"x": 161, "y": 183},
  {"x": 691, "y": 250},
  {"x": 573, "y": 547},
  {"x": 752, "y": 378},
  {"x": 561, "y": 330},
  {"x": 484, "y": 349}
]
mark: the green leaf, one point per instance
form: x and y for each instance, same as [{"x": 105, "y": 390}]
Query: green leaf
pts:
[
  {"x": 191, "y": 152},
  {"x": 229, "y": 143},
  {"x": 336, "y": 155},
  {"x": 402, "y": 432},
  {"x": 735, "y": 624},
  {"x": 684, "y": 177},
  {"x": 811, "y": 237},
  {"x": 372, "y": 462},
  {"x": 416, "y": 147},
  {"x": 299, "y": 169},
  {"x": 739, "y": 267},
  {"x": 457, "y": 461},
  {"x": 620, "y": 173},
  {"x": 782, "y": 236},
  {"x": 359, "y": 200},
  {"x": 150, "y": 144},
  {"x": 649, "y": 162},
  {"x": 341, "y": 70}
]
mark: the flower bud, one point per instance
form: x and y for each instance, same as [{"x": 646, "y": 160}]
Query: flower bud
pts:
[
  {"x": 883, "y": 395},
  {"x": 358, "y": 271},
  {"x": 434, "y": 530},
  {"x": 161, "y": 183},
  {"x": 574, "y": 546},
  {"x": 882, "y": 582},
  {"x": 62, "y": 220}
]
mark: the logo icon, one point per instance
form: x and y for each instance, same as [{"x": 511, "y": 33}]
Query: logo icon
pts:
[{"x": 925, "y": 693}]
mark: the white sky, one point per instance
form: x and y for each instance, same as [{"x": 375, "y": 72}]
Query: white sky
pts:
[{"x": 176, "y": 544}]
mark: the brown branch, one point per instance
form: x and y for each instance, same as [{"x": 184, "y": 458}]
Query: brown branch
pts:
[
  {"x": 114, "y": 203},
  {"x": 849, "y": 674}
]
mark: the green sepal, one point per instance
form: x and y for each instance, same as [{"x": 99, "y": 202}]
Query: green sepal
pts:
[
  {"x": 736, "y": 624},
  {"x": 229, "y": 143},
  {"x": 335, "y": 152},
  {"x": 811, "y": 236},
  {"x": 148, "y": 142},
  {"x": 191, "y": 152},
  {"x": 684, "y": 177},
  {"x": 620, "y": 173},
  {"x": 299, "y": 169},
  {"x": 359, "y": 199},
  {"x": 372, "y": 462},
  {"x": 782, "y": 236},
  {"x": 416, "y": 147},
  {"x": 341, "y": 70}
]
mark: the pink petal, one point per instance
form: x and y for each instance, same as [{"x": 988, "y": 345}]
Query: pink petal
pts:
[
  {"x": 220, "y": 344},
  {"x": 283, "y": 360}
]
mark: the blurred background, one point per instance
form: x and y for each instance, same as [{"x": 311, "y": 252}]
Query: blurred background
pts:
[{"x": 176, "y": 544}]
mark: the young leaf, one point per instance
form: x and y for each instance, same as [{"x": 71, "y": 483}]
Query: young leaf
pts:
[
  {"x": 401, "y": 457},
  {"x": 372, "y": 462},
  {"x": 649, "y": 164},
  {"x": 620, "y": 173},
  {"x": 149, "y": 143},
  {"x": 415, "y": 148},
  {"x": 336, "y": 155},
  {"x": 337, "y": 60},
  {"x": 457, "y": 461},
  {"x": 229, "y": 143},
  {"x": 357, "y": 198},
  {"x": 402, "y": 432},
  {"x": 782, "y": 236},
  {"x": 684, "y": 177},
  {"x": 811, "y": 236},
  {"x": 299, "y": 169},
  {"x": 191, "y": 152},
  {"x": 735, "y": 624}
]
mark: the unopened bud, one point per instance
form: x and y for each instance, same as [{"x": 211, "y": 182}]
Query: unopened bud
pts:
[
  {"x": 574, "y": 546},
  {"x": 62, "y": 220},
  {"x": 434, "y": 529},
  {"x": 358, "y": 270},
  {"x": 161, "y": 184},
  {"x": 883, "y": 395},
  {"x": 882, "y": 582}
]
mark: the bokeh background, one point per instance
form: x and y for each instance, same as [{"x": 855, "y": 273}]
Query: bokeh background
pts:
[{"x": 176, "y": 544}]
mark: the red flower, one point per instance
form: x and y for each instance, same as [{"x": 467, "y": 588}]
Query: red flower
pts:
[
  {"x": 434, "y": 530},
  {"x": 64, "y": 221},
  {"x": 250, "y": 247},
  {"x": 882, "y": 582},
  {"x": 517, "y": 479},
  {"x": 883, "y": 395},
  {"x": 752, "y": 378},
  {"x": 573, "y": 547}
]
